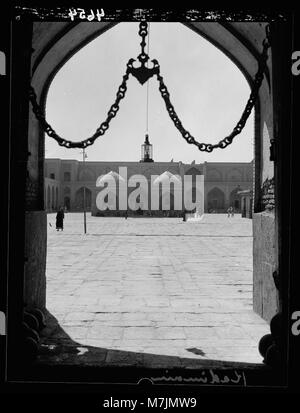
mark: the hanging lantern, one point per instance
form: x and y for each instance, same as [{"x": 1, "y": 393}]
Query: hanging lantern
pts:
[{"x": 146, "y": 151}]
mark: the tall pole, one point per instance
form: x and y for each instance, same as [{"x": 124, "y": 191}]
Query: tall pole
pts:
[{"x": 84, "y": 203}]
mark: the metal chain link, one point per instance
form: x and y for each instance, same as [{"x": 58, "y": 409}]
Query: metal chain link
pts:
[
  {"x": 143, "y": 32},
  {"x": 143, "y": 57},
  {"x": 208, "y": 147},
  {"x": 99, "y": 132}
]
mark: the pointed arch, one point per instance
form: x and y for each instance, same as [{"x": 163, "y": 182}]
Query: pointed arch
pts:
[
  {"x": 214, "y": 175},
  {"x": 234, "y": 175},
  {"x": 234, "y": 199},
  {"x": 193, "y": 171},
  {"x": 79, "y": 198},
  {"x": 86, "y": 175},
  {"x": 216, "y": 200}
]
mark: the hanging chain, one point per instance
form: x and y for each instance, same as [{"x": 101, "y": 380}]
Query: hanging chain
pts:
[
  {"x": 99, "y": 132},
  {"x": 143, "y": 74},
  {"x": 208, "y": 147},
  {"x": 143, "y": 32}
]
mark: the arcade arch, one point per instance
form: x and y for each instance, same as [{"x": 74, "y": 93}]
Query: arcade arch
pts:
[
  {"x": 86, "y": 175},
  {"x": 79, "y": 198},
  {"x": 216, "y": 200},
  {"x": 234, "y": 199}
]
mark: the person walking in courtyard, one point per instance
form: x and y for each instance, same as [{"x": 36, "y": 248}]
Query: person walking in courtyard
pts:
[
  {"x": 229, "y": 212},
  {"x": 60, "y": 219}
]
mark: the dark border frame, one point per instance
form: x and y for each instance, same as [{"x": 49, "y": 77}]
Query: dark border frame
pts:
[{"x": 17, "y": 178}]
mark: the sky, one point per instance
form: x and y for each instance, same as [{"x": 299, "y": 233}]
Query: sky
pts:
[{"x": 207, "y": 90}]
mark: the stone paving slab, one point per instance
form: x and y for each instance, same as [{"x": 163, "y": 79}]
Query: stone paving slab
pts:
[{"x": 138, "y": 289}]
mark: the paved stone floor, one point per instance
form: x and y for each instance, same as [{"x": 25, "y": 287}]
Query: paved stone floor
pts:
[{"x": 151, "y": 291}]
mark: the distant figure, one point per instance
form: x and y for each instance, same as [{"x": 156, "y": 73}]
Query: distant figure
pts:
[
  {"x": 60, "y": 219},
  {"x": 230, "y": 212},
  {"x": 126, "y": 214}
]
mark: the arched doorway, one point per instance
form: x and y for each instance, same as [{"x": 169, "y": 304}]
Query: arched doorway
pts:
[
  {"x": 246, "y": 60},
  {"x": 234, "y": 199},
  {"x": 215, "y": 197},
  {"x": 216, "y": 200},
  {"x": 79, "y": 199},
  {"x": 67, "y": 203}
]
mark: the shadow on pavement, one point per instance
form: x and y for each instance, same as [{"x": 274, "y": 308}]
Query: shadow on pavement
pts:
[{"x": 63, "y": 359}]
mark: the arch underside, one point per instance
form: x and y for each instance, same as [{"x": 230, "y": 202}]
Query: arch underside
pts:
[{"x": 56, "y": 43}]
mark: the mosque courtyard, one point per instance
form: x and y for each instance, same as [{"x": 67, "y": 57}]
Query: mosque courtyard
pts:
[{"x": 154, "y": 292}]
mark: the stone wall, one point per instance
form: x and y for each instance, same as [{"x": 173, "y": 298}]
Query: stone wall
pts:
[
  {"x": 265, "y": 297},
  {"x": 268, "y": 195},
  {"x": 35, "y": 254}
]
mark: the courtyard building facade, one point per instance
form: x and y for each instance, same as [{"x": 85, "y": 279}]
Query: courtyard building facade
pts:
[{"x": 68, "y": 182}]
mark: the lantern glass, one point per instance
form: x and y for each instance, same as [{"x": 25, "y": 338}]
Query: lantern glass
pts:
[{"x": 146, "y": 151}]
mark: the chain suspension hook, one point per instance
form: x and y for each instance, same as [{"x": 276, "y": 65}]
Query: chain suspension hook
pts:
[{"x": 143, "y": 73}]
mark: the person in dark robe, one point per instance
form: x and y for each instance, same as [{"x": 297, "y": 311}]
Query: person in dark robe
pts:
[{"x": 60, "y": 219}]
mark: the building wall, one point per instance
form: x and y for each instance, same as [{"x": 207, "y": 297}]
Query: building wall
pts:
[
  {"x": 52, "y": 194},
  {"x": 222, "y": 180},
  {"x": 265, "y": 298}
]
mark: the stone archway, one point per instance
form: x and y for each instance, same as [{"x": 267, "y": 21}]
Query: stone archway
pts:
[
  {"x": 46, "y": 61},
  {"x": 52, "y": 49}
]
